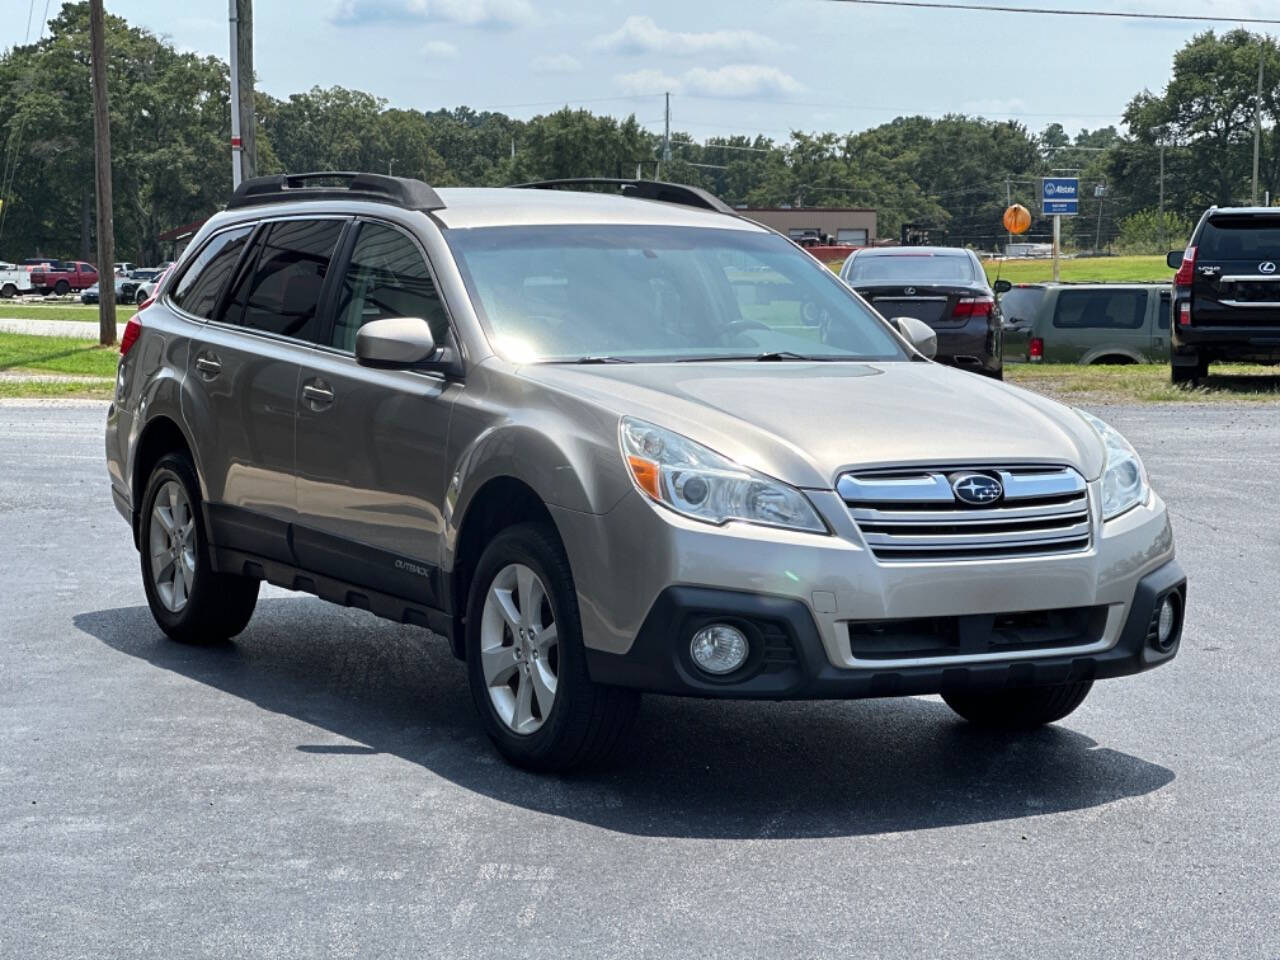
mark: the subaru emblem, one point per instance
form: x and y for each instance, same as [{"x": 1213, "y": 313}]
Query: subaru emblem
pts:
[{"x": 976, "y": 489}]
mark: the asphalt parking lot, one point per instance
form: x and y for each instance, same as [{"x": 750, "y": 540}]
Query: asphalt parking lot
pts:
[{"x": 321, "y": 786}]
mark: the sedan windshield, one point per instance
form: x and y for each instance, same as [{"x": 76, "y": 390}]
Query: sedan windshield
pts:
[
  {"x": 596, "y": 293},
  {"x": 912, "y": 267}
]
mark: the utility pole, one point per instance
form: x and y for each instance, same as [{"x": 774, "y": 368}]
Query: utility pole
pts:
[
  {"x": 1160, "y": 222},
  {"x": 1100, "y": 191},
  {"x": 102, "y": 174},
  {"x": 244, "y": 61},
  {"x": 1008, "y": 202},
  {"x": 237, "y": 151},
  {"x": 1257, "y": 117},
  {"x": 666, "y": 135},
  {"x": 1057, "y": 248}
]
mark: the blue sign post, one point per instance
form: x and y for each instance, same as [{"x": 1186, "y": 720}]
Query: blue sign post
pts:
[{"x": 1060, "y": 196}]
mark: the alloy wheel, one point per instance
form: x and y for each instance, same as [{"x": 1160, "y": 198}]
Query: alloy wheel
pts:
[
  {"x": 172, "y": 546},
  {"x": 519, "y": 649}
]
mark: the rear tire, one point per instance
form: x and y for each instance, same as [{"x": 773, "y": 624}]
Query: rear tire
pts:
[
  {"x": 1021, "y": 708},
  {"x": 61, "y": 288},
  {"x": 8, "y": 291},
  {"x": 189, "y": 600},
  {"x": 522, "y": 592},
  {"x": 1188, "y": 374}
]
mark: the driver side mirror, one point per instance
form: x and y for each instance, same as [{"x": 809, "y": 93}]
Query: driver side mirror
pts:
[
  {"x": 1002, "y": 286},
  {"x": 395, "y": 343},
  {"x": 919, "y": 334}
]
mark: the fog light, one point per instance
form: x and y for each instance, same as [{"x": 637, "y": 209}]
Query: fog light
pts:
[
  {"x": 1168, "y": 621},
  {"x": 719, "y": 648}
]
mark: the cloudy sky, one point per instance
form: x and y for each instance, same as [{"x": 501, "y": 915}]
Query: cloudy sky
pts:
[{"x": 730, "y": 65}]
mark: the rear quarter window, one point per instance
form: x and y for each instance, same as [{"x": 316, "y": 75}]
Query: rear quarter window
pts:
[
  {"x": 197, "y": 290},
  {"x": 1100, "y": 309}
]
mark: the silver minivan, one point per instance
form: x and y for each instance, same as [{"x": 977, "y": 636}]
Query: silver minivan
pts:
[{"x": 607, "y": 444}]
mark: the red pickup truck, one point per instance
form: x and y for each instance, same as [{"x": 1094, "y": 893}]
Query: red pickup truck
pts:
[{"x": 65, "y": 277}]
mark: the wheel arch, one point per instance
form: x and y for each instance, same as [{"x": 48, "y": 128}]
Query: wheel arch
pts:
[
  {"x": 1106, "y": 355},
  {"x": 161, "y": 436}
]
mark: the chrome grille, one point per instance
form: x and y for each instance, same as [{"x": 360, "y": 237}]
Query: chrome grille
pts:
[{"x": 914, "y": 515}]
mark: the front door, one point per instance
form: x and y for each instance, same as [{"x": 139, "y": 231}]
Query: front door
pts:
[{"x": 371, "y": 443}]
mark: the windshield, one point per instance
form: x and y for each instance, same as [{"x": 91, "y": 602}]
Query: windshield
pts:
[
  {"x": 565, "y": 293},
  {"x": 915, "y": 267}
]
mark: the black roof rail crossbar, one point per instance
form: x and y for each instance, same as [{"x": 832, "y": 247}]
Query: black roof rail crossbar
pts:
[
  {"x": 336, "y": 185},
  {"x": 644, "y": 189}
]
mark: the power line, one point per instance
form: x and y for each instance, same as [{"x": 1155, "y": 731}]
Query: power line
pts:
[{"x": 1050, "y": 11}]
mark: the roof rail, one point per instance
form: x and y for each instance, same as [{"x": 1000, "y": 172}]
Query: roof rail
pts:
[
  {"x": 643, "y": 189},
  {"x": 336, "y": 185}
]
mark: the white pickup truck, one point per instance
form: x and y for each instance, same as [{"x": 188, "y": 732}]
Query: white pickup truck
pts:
[{"x": 14, "y": 279}]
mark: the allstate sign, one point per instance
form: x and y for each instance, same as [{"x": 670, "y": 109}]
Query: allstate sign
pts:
[{"x": 1060, "y": 195}]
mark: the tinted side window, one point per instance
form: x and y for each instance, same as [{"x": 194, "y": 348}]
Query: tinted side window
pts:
[
  {"x": 197, "y": 289},
  {"x": 387, "y": 277},
  {"x": 1164, "y": 310},
  {"x": 281, "y": 292},
  {"x": 1100, "y": 309}
]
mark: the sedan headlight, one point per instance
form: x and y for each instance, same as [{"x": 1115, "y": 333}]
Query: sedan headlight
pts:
[
  {"x": 1124, "y": 478},
  {"x": 699, "y": 483}
]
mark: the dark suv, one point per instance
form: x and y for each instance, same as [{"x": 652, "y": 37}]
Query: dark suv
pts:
[{"x": 1226, "y": 294}]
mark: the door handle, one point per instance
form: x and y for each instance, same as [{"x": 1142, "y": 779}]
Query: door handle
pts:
[
  {"x": 318, "y": 394},
  {"x": 209, "y": 366}
]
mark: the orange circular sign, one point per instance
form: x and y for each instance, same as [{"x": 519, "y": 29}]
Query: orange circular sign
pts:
[{"x": 1017, "y": 219}]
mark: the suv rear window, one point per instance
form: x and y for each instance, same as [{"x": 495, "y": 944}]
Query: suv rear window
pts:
[
  {"x": 1020, "y": 304},
  {"x": 1240, "y": 238},
  {"x": 1100, "y": 309}
]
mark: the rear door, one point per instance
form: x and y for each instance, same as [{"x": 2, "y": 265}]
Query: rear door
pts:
[
  {"x": 1098, "y": 322},
  {"x": 243, "y": 371},
  {"x": 1018, "y": 308},
  {"x": 370, "y": 442},
  {"x": 1163, "y": 300},
  {"x": 1237, "y": 273}
]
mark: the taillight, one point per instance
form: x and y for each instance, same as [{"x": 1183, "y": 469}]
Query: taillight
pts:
[
  {"x": 132, "y": 330},
  {"x": 973, "y": 307},
  {"x": 1187, "y": 271},
  {"x": 1184, "y": 313},
  {"x": 1035, "y": 349}
]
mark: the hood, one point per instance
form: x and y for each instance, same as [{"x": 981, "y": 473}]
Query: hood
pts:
[{"x": 806, "y": 423}]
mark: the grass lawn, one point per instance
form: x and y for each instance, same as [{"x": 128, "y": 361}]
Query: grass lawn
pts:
[
  {"x": 1145, "y": 383},
  {"x": 56, "y": 355},
  {"x": 61, "y": 311},
  {"x": 40, "y": 389},
  {"x": 1083, "y": 270}
]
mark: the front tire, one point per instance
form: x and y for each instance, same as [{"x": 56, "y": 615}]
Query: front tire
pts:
[
  {"x": 189, "y": 600},
  {"x": 1021, "y": 708},
  {"x": 526, "y": 664},
  {"x": 8, "y": 291}
]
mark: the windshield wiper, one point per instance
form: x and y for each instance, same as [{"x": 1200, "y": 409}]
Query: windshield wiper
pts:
[
  {"x": 772, "y": 356},
  {"x": 597, "y": 359}
]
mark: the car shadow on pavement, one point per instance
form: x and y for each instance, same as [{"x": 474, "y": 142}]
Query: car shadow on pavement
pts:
[{"x": 690, "y": 768}]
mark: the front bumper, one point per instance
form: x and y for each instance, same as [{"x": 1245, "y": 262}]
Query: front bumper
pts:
[{"x": 788, "y": 660}]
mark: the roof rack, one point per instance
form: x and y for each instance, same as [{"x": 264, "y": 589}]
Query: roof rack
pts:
[
  {"x": 336, "y": 185},
  {"x": 642, "y": 189}
]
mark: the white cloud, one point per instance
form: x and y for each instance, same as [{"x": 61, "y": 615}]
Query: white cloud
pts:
[
  {"x": 741, "y": 80},
  {"x": 735, "y": 80},
  {"x": 641, "y": 35},
  {"x": 439, "y": 50},
  {"x": 556, "y": 63},
  {"x": 491, "y": 14},
  {"x": 647, "y": 81}
]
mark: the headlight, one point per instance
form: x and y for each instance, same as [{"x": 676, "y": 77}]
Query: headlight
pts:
[
  {"x": 699, "y": 483},
  {"x": 1124, "y": 478}
]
